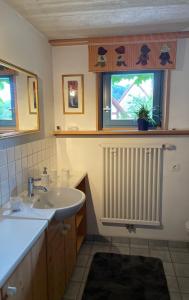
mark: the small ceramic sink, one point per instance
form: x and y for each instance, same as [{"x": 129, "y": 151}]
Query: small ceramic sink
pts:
[{"x": 65, "y": 201}]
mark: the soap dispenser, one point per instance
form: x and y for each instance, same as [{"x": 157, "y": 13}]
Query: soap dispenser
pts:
[{"x": 45, "y": 177}]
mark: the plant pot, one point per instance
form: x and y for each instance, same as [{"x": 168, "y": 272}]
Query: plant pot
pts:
[{"x": 143, "y": 124}]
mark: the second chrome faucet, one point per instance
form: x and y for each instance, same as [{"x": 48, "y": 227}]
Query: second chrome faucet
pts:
[{"x": 32, "y": 187}]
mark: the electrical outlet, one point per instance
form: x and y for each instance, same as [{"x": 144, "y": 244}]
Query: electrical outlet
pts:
[{"x": 175, "y": 167}]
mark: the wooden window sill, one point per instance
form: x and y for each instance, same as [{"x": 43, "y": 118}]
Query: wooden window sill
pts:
[{"x": 155, "y": 132}]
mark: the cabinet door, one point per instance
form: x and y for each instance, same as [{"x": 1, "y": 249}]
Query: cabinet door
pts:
[
  {"x": 20, "y": 282},
  {"x": 70, "y": 246},
  {"x": 39, "y": 269},
  {"x": 56, "y": 266}
]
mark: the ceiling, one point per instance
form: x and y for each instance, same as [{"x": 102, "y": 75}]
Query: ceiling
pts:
[{"x": 68, "y": 19}]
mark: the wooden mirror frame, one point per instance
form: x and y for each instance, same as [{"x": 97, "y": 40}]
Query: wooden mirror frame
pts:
[{"x": 6, "y": 132}]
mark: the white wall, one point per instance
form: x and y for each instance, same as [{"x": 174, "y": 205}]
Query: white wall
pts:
[
  {"x": 85, "y": 153},
  {"x": 22, "y": 45},
  {"x": 73, "y": 60}
]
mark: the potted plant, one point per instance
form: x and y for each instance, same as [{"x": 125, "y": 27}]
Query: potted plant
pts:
[{"x": 143, "y": 118}]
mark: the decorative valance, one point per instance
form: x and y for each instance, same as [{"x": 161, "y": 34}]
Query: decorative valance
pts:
[
  {"x": 131, "y": 54},
  {"x": 4, "y": 71}
]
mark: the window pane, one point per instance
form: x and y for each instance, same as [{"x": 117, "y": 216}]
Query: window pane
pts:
[
  {"x": 129, "y": 92},
  {"x": 5, "y": 99}
]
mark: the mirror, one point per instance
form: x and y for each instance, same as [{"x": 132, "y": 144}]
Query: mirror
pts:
[{"x": 19, "y": 111}]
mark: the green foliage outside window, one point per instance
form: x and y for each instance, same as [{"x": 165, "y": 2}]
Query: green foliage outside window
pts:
[
  {"x": 135, "y": 90},
  {"x": 5, "y": 99}
]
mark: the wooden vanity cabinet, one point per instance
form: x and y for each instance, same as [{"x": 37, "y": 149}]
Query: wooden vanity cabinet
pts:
[
  {"x": 81, "y": 219},
  {"x": 39, "y": 269},
  {"x": 28, "y": 281},
  {"x": 46, "y": 270},
  {"x": 64, "y": 240},
  {"x": 20, "y": 282},
  {"x": 70, "y": 246},
  {"x": 56, "y": 270}
]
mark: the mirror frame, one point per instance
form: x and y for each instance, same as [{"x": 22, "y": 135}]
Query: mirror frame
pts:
[{"x": 11, "y": 132}]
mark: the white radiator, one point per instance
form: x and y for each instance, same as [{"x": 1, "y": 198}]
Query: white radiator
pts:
[{"x": 132, "y": 184}]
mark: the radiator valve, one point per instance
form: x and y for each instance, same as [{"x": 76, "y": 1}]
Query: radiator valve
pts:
[{"x": 131, "y": 228}]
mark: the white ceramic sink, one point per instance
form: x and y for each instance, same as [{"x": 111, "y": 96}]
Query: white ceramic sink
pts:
[{"x": 65, "y": 201}]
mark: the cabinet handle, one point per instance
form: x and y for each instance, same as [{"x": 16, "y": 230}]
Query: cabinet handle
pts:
[
  {"x": 67, "y": 226},
  {"x": 11, "y": 290},
  {"x": 64, "y": 231}
]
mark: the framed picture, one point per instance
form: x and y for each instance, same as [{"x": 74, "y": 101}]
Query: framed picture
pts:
[
  {"x": 73, "y": 94},
  {"x": 32, "y": 94}
]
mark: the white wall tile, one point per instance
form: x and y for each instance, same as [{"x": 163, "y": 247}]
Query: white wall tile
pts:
[
  {"x": 12, "y": 169},
  {"x": 3, "y": 157},
  {"x": 35, "y": 158},
  {"x": 4, "y": 199},
  {"x": 24, "y": 163},
  {"x": 18, "y": 166},
  {"x": 20, "y": 162},
  {"x": 24, "y": 150},
  {"x": 19, "y": 182},
  {"x": 4, "y": 187},
  {"x": 12, "y": 186},
  {"x": 3, "y": 173},
  {"x": 30, "y": 161},
  {"x": 18, "y": 152},
  {"x": 10, "y": 154},
  {"x": 29, "y": 148}
]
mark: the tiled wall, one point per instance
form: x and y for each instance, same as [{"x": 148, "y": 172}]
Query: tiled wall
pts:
[{"x": 19, "y": 162}]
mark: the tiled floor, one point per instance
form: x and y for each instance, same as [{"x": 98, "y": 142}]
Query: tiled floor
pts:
[{"x": 175, "y": 257}]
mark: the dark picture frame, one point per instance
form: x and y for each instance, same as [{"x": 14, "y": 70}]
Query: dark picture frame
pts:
[
  {"x": 32, "y": 85},
  {"x": 73, "y": 93}
]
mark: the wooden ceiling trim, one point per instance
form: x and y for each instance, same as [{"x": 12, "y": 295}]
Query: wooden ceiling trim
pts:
[
  {"x": 160, "y": 37},
  {"x": 69, "y": 42}
]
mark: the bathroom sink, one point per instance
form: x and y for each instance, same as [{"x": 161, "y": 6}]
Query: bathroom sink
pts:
[{"x": 65, "y": 201}]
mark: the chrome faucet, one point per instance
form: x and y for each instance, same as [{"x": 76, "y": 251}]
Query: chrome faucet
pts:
[{"x": 32, "y": 187}]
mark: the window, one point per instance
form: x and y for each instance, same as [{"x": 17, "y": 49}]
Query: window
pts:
[
  {"x": 123, "y": 93},
  {"x": 7, "y": 101}
]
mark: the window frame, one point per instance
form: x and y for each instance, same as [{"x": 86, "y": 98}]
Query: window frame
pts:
[
  {"x": 160, "y": 93},
  {"x": 10, "y": 123}
]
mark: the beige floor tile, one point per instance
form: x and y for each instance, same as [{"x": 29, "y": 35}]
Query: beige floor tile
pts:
[
  {"x": 172, "y": 284},
  {"x": 82, "y": 260},
  {"x": 72, "y": 291},
  {"x": 100, "y": 248},
  {"x": 120, "y": 241},
  {"x": 102, "y": 239},
  {"x": 172, "y": 249},
  {"x": 78, "y": 274},
  {"x": 178, "y": 244},
  {"x": 139, "y": 251},
  {"x": 183, "y": 284},
  {"x": 119, "y": 249},
  {"x": 80, "y": 294},
  {"x": 163, "y": 255},
  {"x": 139, "y": 243},
  {"x": 168, "y": 268},
  {"x": 86, "y": 249},
  {"x": 181, "y": 270},
  {"x": 175, "y": 296},
  {"x": 87, "y": 270},
  {"x": 158, "y": 245},
  {"x": 180, "y": 257}
]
